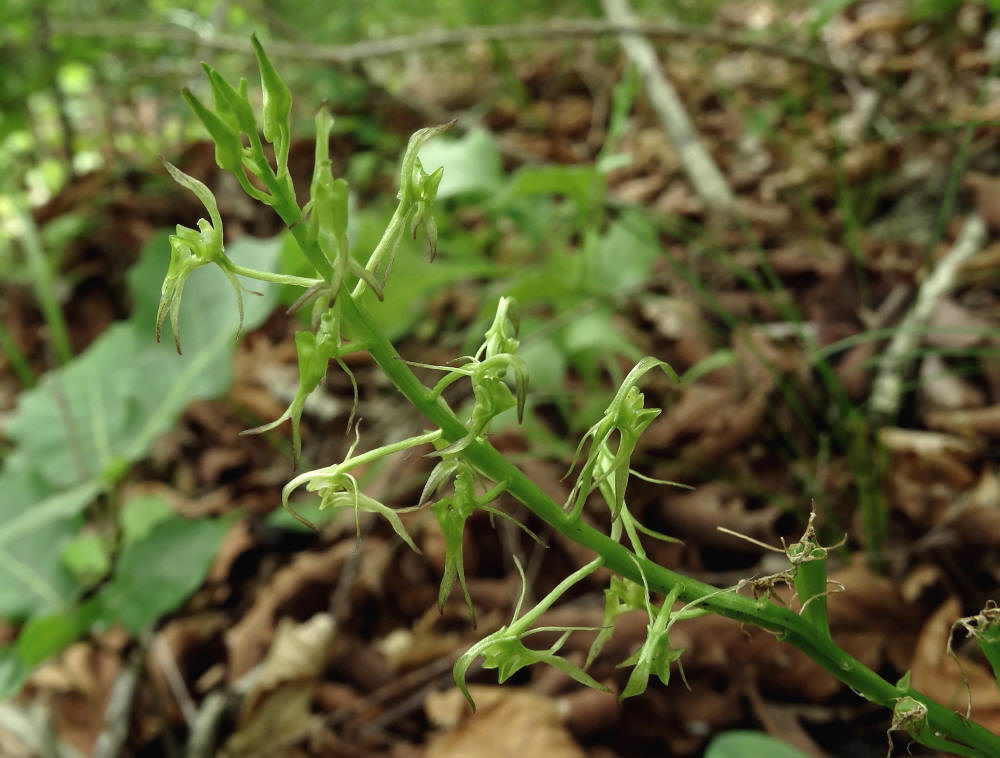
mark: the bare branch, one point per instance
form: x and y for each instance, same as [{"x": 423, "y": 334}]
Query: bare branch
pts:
[
  {"x": 706, "y": 177},
  {"x": 889, "y": 382},
  {"x": 443, "y": 38}
]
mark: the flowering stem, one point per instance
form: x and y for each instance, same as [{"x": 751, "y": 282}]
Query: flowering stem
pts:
[{"x": 793, "y": 629}]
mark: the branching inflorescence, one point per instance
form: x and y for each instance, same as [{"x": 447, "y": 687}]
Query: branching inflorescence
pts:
[{"x": 470, "y": 474}]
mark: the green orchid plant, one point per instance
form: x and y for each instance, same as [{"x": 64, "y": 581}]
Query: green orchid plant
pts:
[{"x": 470, "y": 474}]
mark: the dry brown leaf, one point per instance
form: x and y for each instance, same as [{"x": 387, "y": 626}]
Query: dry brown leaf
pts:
[
  {"x": 298, "y": 654},
  {"x": 782, "y": 723},
  {"x": 237, "y": 541},
  {"x": 276, "y": 712},
  {"x": 978, "y": 526},
  {"x": 918, "y": 580},
  {"x": 589, "y": 710},
  {"x": 283, "y": 720},
  {"x": 680, "y": 321},
  {"x": 968, "y": 422},
  {"x": 508, "y": 723},
  {"x": 824, "y": 260},
  {"x": 986, "y": 190},
  {"x": 928, "y": 445},
  {"x": 408, "y": 648},
  {"x": 955, "y": 327},
  {"x": 249, "y": 638},
  {"x": 709, "y": 420},
  {"x": 77, "y": 685},
  {"x": 938, "y": 674},
  {"x": 944, "y": 390},
  {"x": 694, "y": 516}
]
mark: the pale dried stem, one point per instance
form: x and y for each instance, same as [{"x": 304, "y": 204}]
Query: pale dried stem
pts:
[{"x": 888, "y": 386}]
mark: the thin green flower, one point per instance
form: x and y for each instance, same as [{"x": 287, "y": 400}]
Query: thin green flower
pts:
[
  {"x": 504, "y": 651},
  {"x": 487, "y": 370},
  {"x": 190, "y": 249},
  {"x": 326, "y": 213},
  {"x": 417, "y": 191},
  {"x": 656, "y": 654},
  {"x": 622, "y": 595},
  {"x": 452, "y": 511},
  {"x": 338, "y": 488},
  {"x": 314, "y": 351}
]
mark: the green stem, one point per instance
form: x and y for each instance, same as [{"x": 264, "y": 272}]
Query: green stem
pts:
[
  {"x": 393, "y": 447},
  {"x": 519, "y": 626},
  {"x": 793, "y": 629},
  {"x": 386, "y": 245},
  {"x": 18, "y": 363},
  {"x": 41, "y": 276},
  {"x": 267, "y": 276}
]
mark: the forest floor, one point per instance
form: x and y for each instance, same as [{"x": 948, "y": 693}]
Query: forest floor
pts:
[{"x": 853, "y": 186}]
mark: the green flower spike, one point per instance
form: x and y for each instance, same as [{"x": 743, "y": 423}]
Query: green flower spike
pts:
[
  {"x": 190, "y": 249},
  {"x": 338, "y": 488},
  {"x": 504, "y": 651},
  {"x": 418, "y": 189},
  {"x": 231, "y": 120}
]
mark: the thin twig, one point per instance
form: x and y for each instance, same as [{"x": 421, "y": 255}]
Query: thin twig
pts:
[
  {"x": 175, "y": 680},
  {"x": 202, "y": 735},
  {"x": 339, "y": 54},
  {"x": 118, "y": 713},
  {"x": 708, "y": 181},
  {"x": 888, "y": 385}
]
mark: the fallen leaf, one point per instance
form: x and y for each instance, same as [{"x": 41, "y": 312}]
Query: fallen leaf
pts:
[
  {"x": 942, "y": 389},
  {"x": 276, "y": 711},
  {"x": 248, "y": 640},
  {"x": 508, "y": 723}
]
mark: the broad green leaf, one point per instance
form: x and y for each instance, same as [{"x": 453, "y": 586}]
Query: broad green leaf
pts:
[
  {"x": 471, "y": 163},
  {"x": 115, "y": 398},
  {"x": 44, "y": 636},
  {"x": 32, "y": 532},
  {"x": 155, "y": 574},
  {"x": 583, "y": 185},
  {"x": 13, "y": 672},
  {"x": 140, "y": 514},
  {"x": 87, "y": 557},
  {"x": 747, "y": 744},
  {"x": 78, "y": 430},
  {"x": 622, "y": 259}
]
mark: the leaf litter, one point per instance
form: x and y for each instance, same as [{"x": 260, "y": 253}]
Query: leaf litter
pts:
[{"x": 338, "y": 647}]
